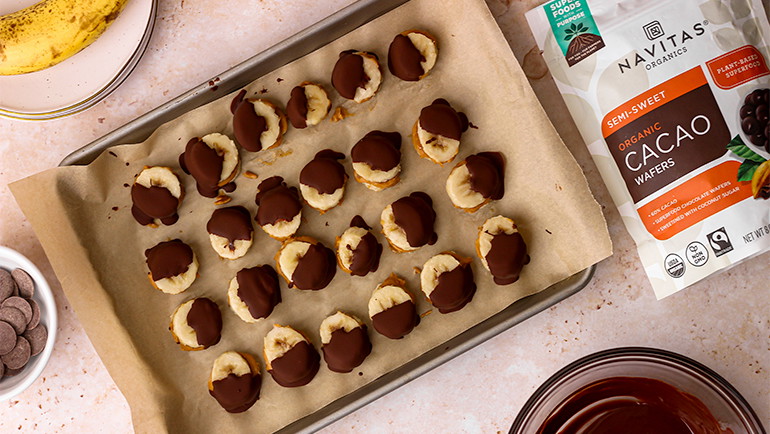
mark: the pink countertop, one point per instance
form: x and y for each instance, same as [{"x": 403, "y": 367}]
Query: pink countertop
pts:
[{"x": 723, "y": 322}]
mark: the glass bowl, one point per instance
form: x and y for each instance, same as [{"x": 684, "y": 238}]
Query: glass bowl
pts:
[{"x": 727, "y": 406}]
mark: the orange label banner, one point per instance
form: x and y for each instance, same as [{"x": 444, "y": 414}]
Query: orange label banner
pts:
[
  {"x": 652, "y": 100},
  {"x": 695, "y": 200},
  {"x": 737, "y": 67}
]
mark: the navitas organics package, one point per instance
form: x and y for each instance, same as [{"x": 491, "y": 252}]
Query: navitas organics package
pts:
[{"x": 672, "y": 98}]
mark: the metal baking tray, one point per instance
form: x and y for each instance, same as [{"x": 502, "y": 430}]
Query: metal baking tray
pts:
[{"x": 279, "y": 55}]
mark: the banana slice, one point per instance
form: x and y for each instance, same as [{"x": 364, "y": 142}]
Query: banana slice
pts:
[
  {"x": 235, "y": 381},
  {"x": 156, "y": 196},
  {"x": 213, "y": 161},
  {"x": 257, "y": 123},
  {"x": 447, "y": 281},
  {"x": 254, "y": 292},
  {"x": 308, "y": 105},
  {"x": 436, "y": 133},
  {"x": 345, "y": 342},
  {"x": 173, "y": 266},
  {"x": 392, "y": 309},
  {"x": 412, "y": 55},
  {"x": 476, "y": 181},
  {"x": 196, "y": 324},
  {"x": 322, "y": 181},
  {"x": 377, "y": 160},
  {"x": 280, "y": 209},
  {"x": 408, "y": 223},
  {"x": 291, "y": 360},
  {"x": 357, "y": 75},
  {"x": 502, "y": 249},
  {"x": 230, "y": 231},
  {"x": 358, "y": 251},
  {"x": 306, "y": 263}
]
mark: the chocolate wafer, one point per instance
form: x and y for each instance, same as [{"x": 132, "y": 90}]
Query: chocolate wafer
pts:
[
  {"x": 7, "y": 338},
  {"x": 19, "y": 355},
  {"x": 37, "y": 338},
  {"x": 22, "y": 305},
  {"x": 7, "y": 284},
  {"x": 24, "y": 282},
  {"x": 15, "y": 318},
  {"x": 35, "y": 314}
]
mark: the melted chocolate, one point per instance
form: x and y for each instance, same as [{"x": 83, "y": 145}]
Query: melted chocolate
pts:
[
  {"x": 237, "y": 100},
  {"x": 348, "y": 74},
  {"x": 204, "y": 164},
  {"x": 153, "y": 203},
  {"x": 237, "y": 394},
  {"x": 276, "y": 201},
  {"x": 232, "y": 223},
  {"x": 258, "y": 288},
  {"x": 487, "y": 170},
  {"x": 441, "y": 119},
  {"x": 324, "y": 172},
  {"x": 168, "y": 259},
  {"x": 378, "y": 150},
  {"x": 315, "y": 269},
  {"x": 347, "y": 350},
  {"x": 415, "y": 215},
  {"x": 631, "y": 405},
  {"x": 296, "y": 108},
  {"x": 206, "y": 319},
  {"x": 404, "y": 59},
  {"x": 507, "y": 257},
  {"x": 296, "y": 367},
  {"x": 248, "y": 126},
  {"x": 455, "y": 289},
  {"x": 397, "y": 321}
]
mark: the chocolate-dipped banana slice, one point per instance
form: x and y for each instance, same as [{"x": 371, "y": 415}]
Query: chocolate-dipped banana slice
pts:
[
  {"x": 377, "y": 160},
  {"x": 447, "y": 281},
  {"x": 392, "y": 309},
  {"x": 502, "y": 249},
  {"x": 358, "y": 251},
  {"x": 213, "y": 161},
  {"x": 156, "y": 196},
  {"x": 322, "y": 180},
  {"x": 230, "y": 231},
  {"x": 257, "y": 123},
  {"x": 345, "y": 342},
  {"x": 280, "y": 210},
  {"x": 173, "y": 266},
  {"x": 357, "y": 75},
  {"x": 412, "y": 55},
  {"x": 306, "y": 263},
  {"x": 308, "y": 105},
  {"x": 436, "y": 134},
  {"x": 291, "y": 359},
  {"x": 254, "y": 293},
  {"x": 196, "y": 324},
  {"x": 235, "y": 381},
  {"x": 476, "y": 181},
  {"x": 408, "y": 222}
]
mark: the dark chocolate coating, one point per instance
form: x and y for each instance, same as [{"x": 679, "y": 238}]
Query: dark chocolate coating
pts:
[
  {"x": 324, "y": 172},
  {"x": 248, "y": 126},
  {"x": 206, "y": 319},
  {"x": 366, "y": 256},
  {"x": 315, "y": 269},
  {"x": 232, "y": 223},
  {"x": 347, "y": 350},
  {"x": 404, "y": 59},
  {"x": 153, "y": 203},
  {"x": 348, "y": 74},
  {"x": 277, "y": 202},
  {"x": 441, "y": 119},
  {"x": 204, "y": 164},
  {"x": 455, "y": 289},
  {"x": 237, "y": 394},
  {"x": 487, "y": 170},
  {"x": 258, "y": 288},
  {"x": 507, "y": 257},
  {"x": 397, "y": 321},
  {"x": 296, "y": 367},
  {"x": 378, "y": 150},
  {"x": 415, "y": 215},
  {"x": 296, "y": 108},
  {"x": 168, "y": 259},
  {"x": 631, "y": 405}
]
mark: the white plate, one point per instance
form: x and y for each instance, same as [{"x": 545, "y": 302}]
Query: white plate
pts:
[{"x": 85, "y": 78}]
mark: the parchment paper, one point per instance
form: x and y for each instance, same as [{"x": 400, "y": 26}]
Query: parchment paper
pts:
[{"x": 97, "y": 252}]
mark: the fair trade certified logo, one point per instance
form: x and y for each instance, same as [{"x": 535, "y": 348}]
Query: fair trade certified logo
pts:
[
  {"x": 720, "y": 242},
  {"x": 653, "y": 30}
]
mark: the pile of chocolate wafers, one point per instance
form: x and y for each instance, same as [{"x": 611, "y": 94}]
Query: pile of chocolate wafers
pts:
[{"x": 21, "y": 334}]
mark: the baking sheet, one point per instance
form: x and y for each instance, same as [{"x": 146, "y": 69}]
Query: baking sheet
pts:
[{"x": 97, "y": 251}]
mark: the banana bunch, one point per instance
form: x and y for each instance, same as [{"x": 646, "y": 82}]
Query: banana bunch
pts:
[{"x": 51, "y": 31}]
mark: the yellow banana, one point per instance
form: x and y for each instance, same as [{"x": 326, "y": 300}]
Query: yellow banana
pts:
[{"x": 51, "y": 31}]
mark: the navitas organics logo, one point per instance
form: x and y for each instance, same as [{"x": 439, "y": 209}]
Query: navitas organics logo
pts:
[
  {"x": 653, "y": 30},
  {"x": 663, "y": 47}
]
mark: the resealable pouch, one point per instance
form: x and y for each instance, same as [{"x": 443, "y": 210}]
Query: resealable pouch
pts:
[{"x": 671, "y": 98}]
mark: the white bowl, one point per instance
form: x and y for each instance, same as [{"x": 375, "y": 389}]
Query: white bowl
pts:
[{"x": 12, "y": 386}]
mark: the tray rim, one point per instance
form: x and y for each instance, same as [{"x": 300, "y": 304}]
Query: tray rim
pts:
[{"x": 296, "y": 46}]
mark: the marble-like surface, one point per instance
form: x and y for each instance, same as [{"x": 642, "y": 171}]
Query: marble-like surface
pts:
[{"x": 723, "y": 322}]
